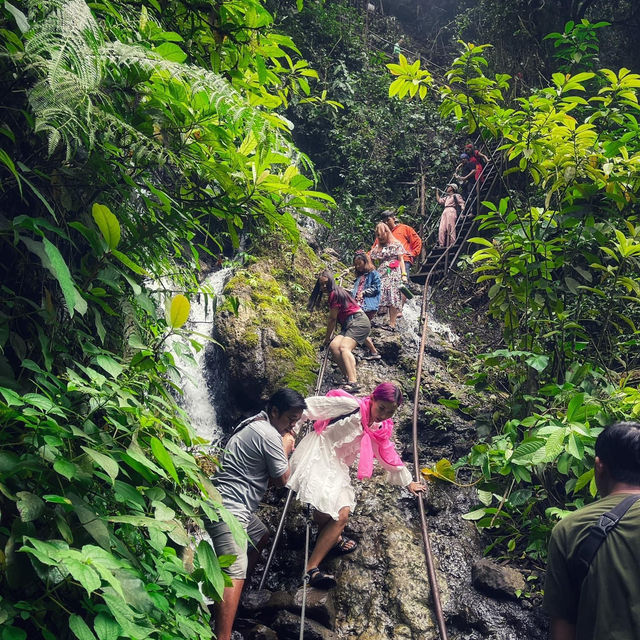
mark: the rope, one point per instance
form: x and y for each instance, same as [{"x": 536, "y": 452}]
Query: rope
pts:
[{"x": 305, "y": 575}]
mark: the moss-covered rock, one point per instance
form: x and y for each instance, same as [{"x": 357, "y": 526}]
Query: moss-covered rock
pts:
[{"x": 268, "y": 341}]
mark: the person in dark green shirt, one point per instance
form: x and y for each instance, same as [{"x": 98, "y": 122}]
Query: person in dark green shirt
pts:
[{"x": 607, "y": 604}]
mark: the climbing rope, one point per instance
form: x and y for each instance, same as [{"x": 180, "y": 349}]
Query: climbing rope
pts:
[
  {"x": 305, "y": 575},
  {"x": 431, "y": 572}
]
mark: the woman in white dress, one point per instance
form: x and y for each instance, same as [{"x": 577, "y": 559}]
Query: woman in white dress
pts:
[{"x": 344, "y": 428}]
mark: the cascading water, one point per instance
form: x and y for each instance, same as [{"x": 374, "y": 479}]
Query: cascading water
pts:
[
  {"x": 411, "y": 316},
  {"x": 200, "y": 393}
]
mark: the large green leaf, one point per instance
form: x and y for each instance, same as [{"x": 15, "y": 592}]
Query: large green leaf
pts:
[
  {"x": 554, "y": 445},
  {"x": 61, "y": 272},
  {"x": 136, "y": 268},
  {"x": 209, "y": 562},
  {"x": 91, "y": 521},
  {"x": 30, "y": 506},
  {"x": 163, "y": 457},
  {"x": 19, "y": 17},
  {"x": 109, "y": 365},
  {"x": 107, "y": 223},
  {"x": 106, "y": 627},
  {"x": 84, "y": 574},
  {"x": 80, "y": 628},
  {"x": 106, "y": 462},
  {"x": 527, "y": 447}
]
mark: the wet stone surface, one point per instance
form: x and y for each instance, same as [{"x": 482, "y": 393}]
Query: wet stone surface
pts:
[{"x": 383, "y": 590}]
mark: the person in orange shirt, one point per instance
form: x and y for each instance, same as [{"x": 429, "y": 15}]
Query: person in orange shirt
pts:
[{"x": 407, "y": 237}]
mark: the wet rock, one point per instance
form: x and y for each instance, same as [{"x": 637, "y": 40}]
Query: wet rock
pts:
[
  {"x": 389, "y": 345},
  {"x": 437, "y": 348},
  {"x": 256, "y": 600},
  {"x": 402, "y": 632},
  {"x": 287, "y": 626},
  {"x": 260, "y": 632},
  {"x": 320, "y": 606},
  {"x": 501, "y": 582},
  {"x": 264, "y": 604}
]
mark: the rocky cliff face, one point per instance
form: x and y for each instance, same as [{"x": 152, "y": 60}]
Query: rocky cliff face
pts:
[{"x": 383, "y": 590}]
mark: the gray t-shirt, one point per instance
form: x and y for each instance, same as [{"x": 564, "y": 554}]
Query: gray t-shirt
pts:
[{"x": 253, "y": 454}]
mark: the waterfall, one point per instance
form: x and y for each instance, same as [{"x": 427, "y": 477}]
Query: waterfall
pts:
[
  {"x": 199, "y": 381},
  {"x": 411, "y": 317}
]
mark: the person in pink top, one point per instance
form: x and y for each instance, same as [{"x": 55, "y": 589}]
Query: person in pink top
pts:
[
  {"x": 345, "y": 429},
  {"x": 354, "y": 323},
  {"x": 453, "y": 203}
]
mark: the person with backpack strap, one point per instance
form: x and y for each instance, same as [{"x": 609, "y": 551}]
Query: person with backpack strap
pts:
[
  {"x": 346, "y": 429},
  {"x": 256, "y": 455},
  {"x": 592, "y": 587}
]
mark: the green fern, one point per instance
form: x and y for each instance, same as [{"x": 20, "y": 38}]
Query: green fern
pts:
[
  {"x": 64, "y": 51},
  {"x": 74, "y": 64}
]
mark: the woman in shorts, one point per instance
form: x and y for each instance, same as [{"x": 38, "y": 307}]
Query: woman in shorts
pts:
[{"x": 355, "y": 326}]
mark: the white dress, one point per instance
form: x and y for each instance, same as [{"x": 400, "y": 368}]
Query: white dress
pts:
[{"x": 320, "y": 463}]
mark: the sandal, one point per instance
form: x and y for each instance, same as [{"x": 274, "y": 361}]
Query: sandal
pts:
[
  {"x": 351, "y": 387},
  {"x": 344, "y": 545},
  {"x": 319, "y": 579}
]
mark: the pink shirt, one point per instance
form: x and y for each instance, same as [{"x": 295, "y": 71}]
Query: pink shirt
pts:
[{"x": 344, "y": 311}]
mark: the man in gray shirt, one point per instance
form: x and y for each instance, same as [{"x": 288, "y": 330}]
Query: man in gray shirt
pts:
[{"x": 256, "y": 454}]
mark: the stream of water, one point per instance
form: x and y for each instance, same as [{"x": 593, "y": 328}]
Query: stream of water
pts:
[
  {"x": 411, "y": 316},
  {"x": 198, "y": 383}
]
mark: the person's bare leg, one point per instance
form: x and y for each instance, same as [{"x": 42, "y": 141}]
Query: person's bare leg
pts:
[
  {"x": 372, "y": 347},
  {"x": 225, "y": 611},
  {"x": 393, "y": 316},
  {"x": 253, "y": 554},
  {"x": 329, "y": 534},
  {"x": 335, "y": 348},
  {"x": 348, "y": 359}
]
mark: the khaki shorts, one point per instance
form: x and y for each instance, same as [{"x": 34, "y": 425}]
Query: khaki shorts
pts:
[
  {"x": 225, "y": 544},
  {"x": 357, "y": 327}
]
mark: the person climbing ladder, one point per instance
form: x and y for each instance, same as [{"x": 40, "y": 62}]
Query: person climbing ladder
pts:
[{"x": 453, "y": 204}]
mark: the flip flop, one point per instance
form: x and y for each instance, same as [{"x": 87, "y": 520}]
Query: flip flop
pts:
[
  {"x": 320, "y": 580},
  {"x": 344, "y": 546}
]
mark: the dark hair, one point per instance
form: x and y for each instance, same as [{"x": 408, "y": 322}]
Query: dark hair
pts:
[
  {"x": 388, "y": 392},
  {"x": 285, "y": 399},
  {"x": 341, "y": 295},
  {"x": 618, "y": 447},
  {"x": 361, "y": 255},
  {"x": 387, "y": 213}
]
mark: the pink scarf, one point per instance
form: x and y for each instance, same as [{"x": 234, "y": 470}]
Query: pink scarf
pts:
[{"x": 385, "y": 449}]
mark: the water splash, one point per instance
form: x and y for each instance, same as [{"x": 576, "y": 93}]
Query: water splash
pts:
[{"x": 411, "y": 317}]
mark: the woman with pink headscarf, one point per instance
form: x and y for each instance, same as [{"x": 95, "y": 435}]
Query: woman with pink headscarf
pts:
[{"x": 344, "y": 427}]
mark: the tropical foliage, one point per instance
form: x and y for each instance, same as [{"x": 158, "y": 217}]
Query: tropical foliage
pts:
[
  {"x": 371, "y": 153},
  {"x": 562, "y": 254},
  {"x": 139, "y": 142}
]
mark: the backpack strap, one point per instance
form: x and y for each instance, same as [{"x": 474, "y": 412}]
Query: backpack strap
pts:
[
  {"x": 598, "y": 533},
  {"x": 342, "y": 417}
]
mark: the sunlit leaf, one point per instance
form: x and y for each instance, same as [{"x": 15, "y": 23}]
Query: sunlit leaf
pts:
[
  {"x": 177, "y": 311},
  {"x": 107, "y": 223}
]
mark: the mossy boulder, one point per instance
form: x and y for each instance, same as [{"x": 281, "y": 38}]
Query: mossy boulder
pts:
[{"x": 266, "y": 340}]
